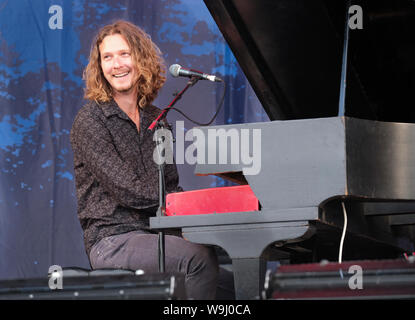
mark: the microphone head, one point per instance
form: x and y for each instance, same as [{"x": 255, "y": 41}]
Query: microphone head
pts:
[{"x": 174, "y": 70}]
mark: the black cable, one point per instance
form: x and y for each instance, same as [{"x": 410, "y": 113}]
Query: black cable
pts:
[{"x": 215, "y": 115}]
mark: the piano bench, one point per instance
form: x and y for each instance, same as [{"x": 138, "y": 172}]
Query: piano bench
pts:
[{"x": 82, "y": 272}]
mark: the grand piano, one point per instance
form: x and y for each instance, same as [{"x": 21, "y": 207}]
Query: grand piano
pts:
[{"x": 340, "y": 143}]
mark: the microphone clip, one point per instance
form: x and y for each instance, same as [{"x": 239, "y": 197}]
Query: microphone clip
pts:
[{"x": 192, "y": 81}]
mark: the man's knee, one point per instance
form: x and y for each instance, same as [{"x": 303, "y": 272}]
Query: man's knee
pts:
[{"x": 206, "y": 256}]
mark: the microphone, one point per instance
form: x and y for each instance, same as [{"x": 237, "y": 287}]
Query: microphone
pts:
[{"x": 177, "y": 70}]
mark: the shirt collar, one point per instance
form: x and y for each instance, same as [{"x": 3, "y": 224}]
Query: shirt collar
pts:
[{"x": 111, "y": 108}]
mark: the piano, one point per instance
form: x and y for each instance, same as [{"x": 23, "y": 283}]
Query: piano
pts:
[{"x": 319, "y": 165}]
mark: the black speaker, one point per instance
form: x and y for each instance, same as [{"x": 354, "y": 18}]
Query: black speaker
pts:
[
  {"x": 368, "y": 279},
  {"x": 81, "y": 284}
]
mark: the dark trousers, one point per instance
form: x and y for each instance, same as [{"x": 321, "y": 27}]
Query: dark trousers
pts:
[{"x": 135, "y": 250}]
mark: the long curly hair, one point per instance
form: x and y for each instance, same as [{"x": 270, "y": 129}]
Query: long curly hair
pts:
[{"x": 146, "y": 58}]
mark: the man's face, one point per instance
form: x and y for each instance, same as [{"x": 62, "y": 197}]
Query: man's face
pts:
[{"x": 117, "y": 64}]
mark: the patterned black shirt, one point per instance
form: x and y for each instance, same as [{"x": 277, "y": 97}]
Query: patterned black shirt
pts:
[{"x": 116, "y": 177}]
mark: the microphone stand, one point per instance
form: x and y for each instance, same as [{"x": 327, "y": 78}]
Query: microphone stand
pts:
[
  {"x": 163, "y": 114},
  {"x": 159, "y": 124},
  {"x": 162, "y": 200}
]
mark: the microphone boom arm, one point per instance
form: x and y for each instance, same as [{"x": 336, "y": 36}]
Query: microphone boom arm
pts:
[{"x": 163, "y": 114}]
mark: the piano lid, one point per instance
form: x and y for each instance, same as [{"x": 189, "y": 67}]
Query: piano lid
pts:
[{"x": 291, "y": 53}]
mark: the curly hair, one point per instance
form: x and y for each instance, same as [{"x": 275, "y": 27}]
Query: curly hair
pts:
[{"x": 146, "y": 58}]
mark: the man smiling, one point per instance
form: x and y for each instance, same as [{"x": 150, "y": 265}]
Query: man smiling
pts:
[
  {"x": 117, "y": 65},
  {"x": 115, "y": 175}
]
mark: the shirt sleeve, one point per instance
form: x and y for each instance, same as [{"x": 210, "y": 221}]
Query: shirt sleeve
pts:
[{"x": 92, "y": 143}]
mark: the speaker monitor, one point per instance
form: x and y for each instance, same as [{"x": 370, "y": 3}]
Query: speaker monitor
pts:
[
  {"x": 376, "y": 279},
  {"x": 79, "y": 284}
]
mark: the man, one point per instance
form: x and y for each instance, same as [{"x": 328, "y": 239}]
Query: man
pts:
[{"x": 116, "y": 177}]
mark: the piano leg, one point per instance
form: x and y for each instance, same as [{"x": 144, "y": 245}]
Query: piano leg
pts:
[
  {"x": 245, "y": 245},
  {"x": 249, "y": 275}
]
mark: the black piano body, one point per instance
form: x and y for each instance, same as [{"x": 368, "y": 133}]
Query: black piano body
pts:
[{"x": 313, "y": 160}]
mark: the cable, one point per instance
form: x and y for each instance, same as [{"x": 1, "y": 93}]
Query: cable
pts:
[
  {"x": 214, "y": 116},
  {"x": 343, "y": 234}
]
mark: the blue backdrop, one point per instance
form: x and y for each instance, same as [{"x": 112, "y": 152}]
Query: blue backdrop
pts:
[{"x": 44, "y": 47}]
